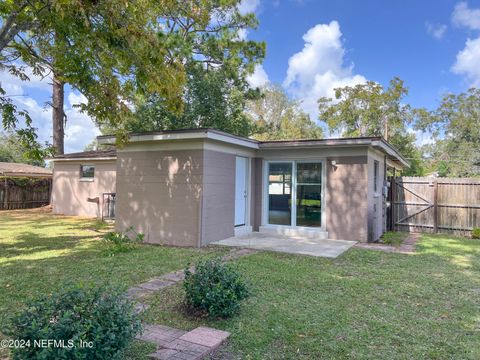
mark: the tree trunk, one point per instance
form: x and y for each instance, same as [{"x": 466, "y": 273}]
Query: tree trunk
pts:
[{"x": 58, "y": 116}]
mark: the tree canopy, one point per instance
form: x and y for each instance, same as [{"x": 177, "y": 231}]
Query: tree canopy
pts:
[
  {"x": 455, "y": 127},
  {"x": 119, "y": 53},
  {"x": 277, "y": 117},
  {"x": 213, "y": 97},
  {"x": 12, "y": 150},
  {"x": 370, "y": 109}
]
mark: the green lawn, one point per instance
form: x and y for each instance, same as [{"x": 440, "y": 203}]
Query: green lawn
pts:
[
  {"x": 39, "y": 252},
  {"x": 364, "y": 305}
]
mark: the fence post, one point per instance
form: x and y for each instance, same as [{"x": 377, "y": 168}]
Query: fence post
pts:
[{"x": 435, "y": 206}]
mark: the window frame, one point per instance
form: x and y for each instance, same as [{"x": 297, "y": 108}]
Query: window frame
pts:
[
  {"x": 87, "y": 178},
  {"x": 376, "y": 171}
]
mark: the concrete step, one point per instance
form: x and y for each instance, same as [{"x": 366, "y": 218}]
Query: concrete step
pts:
[{"x": 312, "y": 234}]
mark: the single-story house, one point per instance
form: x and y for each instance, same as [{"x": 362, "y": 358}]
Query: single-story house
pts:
[
  {"x": 24, "y": 170},
  {"x": 193, "y": 187}
]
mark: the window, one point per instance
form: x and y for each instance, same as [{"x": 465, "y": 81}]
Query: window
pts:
[
  {"x": 375, "y": 176},
  {"x": 87, "y": 172},
  {"x": 294, "y": 193}
]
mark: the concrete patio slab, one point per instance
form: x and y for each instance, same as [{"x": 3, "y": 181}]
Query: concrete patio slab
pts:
[{"x": 289, "y": 244}]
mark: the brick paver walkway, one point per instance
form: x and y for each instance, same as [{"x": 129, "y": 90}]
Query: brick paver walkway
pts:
[
  {"x": 174, "y": 344},
  {"x": 182, "y": 345}
]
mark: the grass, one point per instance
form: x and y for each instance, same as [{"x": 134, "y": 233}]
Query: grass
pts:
[
  {"x": 365, "y": 304},
  {"x": 394, "y": 238},
  {"x": 40, "y": 252}
]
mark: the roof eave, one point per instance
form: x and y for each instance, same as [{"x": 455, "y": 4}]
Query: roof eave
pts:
[{"x": 83, "y": 159}]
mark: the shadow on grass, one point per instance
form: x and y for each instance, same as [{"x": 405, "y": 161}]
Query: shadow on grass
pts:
[{"x": 364, "y": 304}]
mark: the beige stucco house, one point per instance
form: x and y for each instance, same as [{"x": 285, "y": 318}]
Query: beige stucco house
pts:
[{"x": 193, "y": 187}]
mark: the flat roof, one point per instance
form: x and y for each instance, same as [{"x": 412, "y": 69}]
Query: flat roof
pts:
[
  {"x": 376, "y": 142},
  {"x": 19, "y": 169}
]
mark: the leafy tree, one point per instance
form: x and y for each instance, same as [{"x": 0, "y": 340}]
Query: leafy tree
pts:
[
  {"x": 12, "y": 150},
  {"x": 276, "y": 117},
  {"x": 118, "y": 53},
  {"x": 455, "y": 125},
  {"x": 369, "y": 109},
  {"x": 213, "y": 98}
]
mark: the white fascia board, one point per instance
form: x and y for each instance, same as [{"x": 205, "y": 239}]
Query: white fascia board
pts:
[
  {"x": 186, "y": 136},
  {"x": 85, "y": 159},
  {"x": 390, "y": 151},
  {"x": 252, "y": 144},
  {"x": 314, "y": 143},
  {"x": 107, "y": 140}
]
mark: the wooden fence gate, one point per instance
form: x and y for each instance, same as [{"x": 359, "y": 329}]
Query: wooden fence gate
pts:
[{"x": 443, "y": 205}]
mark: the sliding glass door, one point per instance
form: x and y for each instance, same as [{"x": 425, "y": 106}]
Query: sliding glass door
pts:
[
  {"x": 309, "y": 194},
  {"x": 298, "y": 183},
  {"x": 280, "y": 193}
]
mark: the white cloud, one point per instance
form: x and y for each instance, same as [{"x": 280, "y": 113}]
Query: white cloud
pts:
[
  {"x": 421, "y": 137},
  {"x": 259, "y": 77},
  {"x": 467, "y": 62},
  {"x": 248, "y": 6},
  {"x": 319, "y": 67},
  {"x": 80, "y": 129},
  {"x": 463, "y": 16},
  {"x": 436, "y": 30}
]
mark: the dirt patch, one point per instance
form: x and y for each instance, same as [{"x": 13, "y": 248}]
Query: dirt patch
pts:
[{"x": 406, "y": 247}]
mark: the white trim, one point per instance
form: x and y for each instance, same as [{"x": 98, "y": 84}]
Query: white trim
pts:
[
  {"x": 186, "y": 135},
  {"x": 242, "y": 230},
  {"x": 84, "y": 179},
  {"x": 246, "y": 196},
  {"x": 85, "y": 159}
]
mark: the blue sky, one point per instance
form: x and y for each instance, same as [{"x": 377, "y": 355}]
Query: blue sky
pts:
[{"x": 315, "y": 46}]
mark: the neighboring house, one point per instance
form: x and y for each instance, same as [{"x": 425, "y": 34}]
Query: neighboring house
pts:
[{"x": 192, "y": 187}]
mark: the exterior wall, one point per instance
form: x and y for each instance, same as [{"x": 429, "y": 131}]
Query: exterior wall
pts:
[
  {"x": 218, "y": 203},
  {"x": 346, "y": 198},
  {"x": 346, "y": 194},
  {"x": 159, "y": 194},
  {"x": 70, "y": 194},
  {"x": 376, "y": 200},
  {"x": 257, "y": 193}
]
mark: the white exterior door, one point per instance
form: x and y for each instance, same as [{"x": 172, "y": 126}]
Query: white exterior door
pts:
[{"x": 240, "y": 190}]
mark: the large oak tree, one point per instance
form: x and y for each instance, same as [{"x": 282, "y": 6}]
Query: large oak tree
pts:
[{"x": 119, "y": 53}]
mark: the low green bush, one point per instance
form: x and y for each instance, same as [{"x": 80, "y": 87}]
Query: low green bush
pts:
[
  {"x": 82, "y": 322},
  {"x": 122, "y": 241},
  {"x": 214, "y": 288},
  {"x": 476, "y": 233}
]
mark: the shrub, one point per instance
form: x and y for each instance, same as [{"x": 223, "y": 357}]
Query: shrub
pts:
[
  {"x": 98, "y": 317},
  {"x": 214, "y": 288},
  {"x": 123, "y": 241},
  {"x": 476, "y": 233}
]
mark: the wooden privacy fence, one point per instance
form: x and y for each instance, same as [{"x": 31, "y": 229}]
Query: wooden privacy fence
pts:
[
  {"x": 444, "y": 205},
  {"x": 24, "y": 193}
]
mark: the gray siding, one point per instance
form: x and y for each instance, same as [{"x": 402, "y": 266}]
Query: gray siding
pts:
[
  {"x": 257, "y": 190},
  {"x": 346, "y": 198},
  {"x": 159, "y": 193},
  {"x": 218, "y": 203}
]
